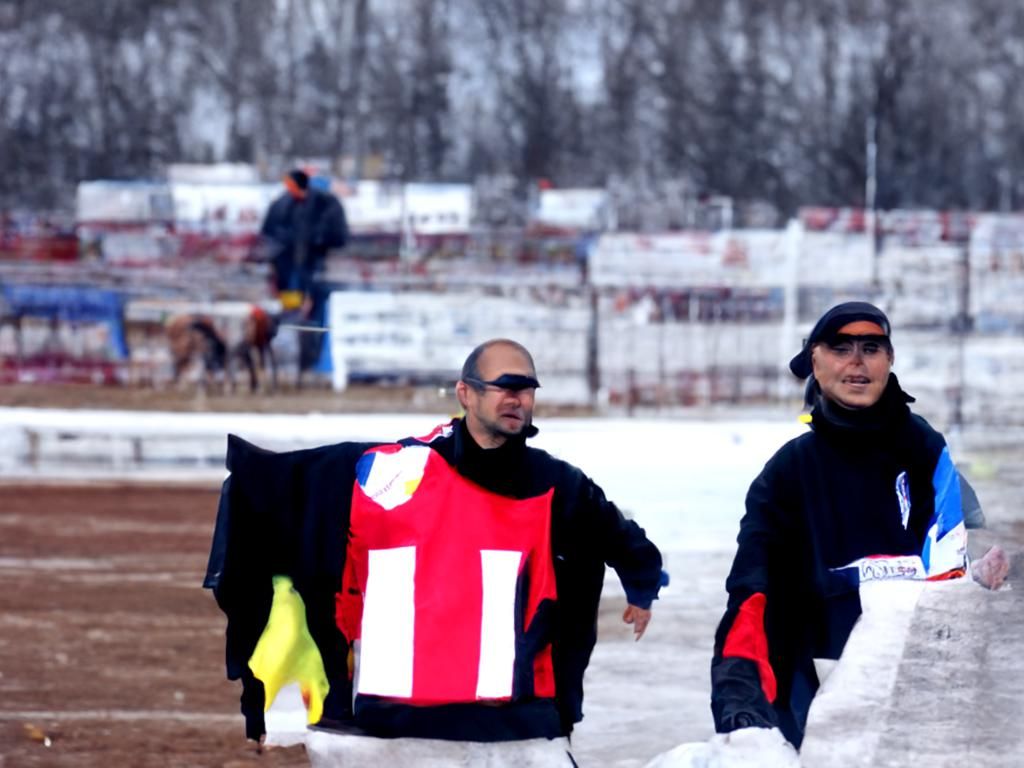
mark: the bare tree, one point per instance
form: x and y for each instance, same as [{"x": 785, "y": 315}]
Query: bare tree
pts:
[
  {"x": 523, "y": 52},
  {"x": 763, "y": 102},
  {"x": 225, "y": 42},
  {"x": 410, "y": 65}
]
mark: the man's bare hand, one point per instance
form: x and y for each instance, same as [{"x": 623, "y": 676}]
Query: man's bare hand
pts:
[
  {"x": 991, "y": 571},
  {"x": 639, "y": 618}
]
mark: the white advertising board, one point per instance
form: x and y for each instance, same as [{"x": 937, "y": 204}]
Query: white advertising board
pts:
[
  {"x": 122, "y": 202},
  {"x": 428, "y": 335},
  {"x": 997, "y": 272},
  {"x": 692, "y": 259},
  {"x": 428, "y": 209},
  {"x": 222, "y": 208},
  {"x": 571, "y": 209}
]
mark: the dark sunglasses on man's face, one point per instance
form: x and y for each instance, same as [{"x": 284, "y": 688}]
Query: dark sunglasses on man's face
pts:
[
  {"x": 844, "y": 345},
  {"x": 514, "y": 382}
]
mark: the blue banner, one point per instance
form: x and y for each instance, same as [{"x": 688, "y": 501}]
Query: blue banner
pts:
[{"x": 72, "y": 304}]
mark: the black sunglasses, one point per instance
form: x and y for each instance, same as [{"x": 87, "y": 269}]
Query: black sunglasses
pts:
[{"x": 513, "y": 382}]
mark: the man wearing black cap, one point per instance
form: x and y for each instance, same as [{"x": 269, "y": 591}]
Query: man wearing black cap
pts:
[
  {"x": 473, "y": 566},
  {"x": 870, "y": 493},
  {"x": 841, "y": 332},
  {"x": 300, "y": 227}
]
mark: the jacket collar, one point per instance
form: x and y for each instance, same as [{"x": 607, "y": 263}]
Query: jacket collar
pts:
[{"x": 500, "y": 469}]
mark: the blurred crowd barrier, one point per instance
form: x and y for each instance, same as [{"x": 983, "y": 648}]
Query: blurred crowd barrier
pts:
[{"x": 617, "y": 321}]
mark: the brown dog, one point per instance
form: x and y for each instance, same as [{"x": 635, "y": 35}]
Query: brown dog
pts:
[
  {"x": 194, "y": 338},
  {"x": 255, "y": 349}
]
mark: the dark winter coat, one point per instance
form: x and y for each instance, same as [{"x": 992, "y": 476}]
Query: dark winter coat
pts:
[
  {"x": 873, "y": 482},
  {"x": 299, "y": 233}
]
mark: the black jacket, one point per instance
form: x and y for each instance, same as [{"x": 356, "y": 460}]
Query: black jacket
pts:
[
  {"x": 299, "y": 234},
  {"x": 823, "y": 501},
  {"x": 288, "y": 513}
]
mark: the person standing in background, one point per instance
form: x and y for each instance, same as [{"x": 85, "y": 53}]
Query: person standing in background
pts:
[{"x": 301, "y": 226}]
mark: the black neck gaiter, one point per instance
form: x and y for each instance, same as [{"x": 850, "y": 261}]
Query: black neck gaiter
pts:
[
  {"x": 498, "y": 469},
  {"x": 890, "y": 411}
]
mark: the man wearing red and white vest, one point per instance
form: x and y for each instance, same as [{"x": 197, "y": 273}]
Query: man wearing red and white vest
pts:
[{"x": 472, "y": 568}]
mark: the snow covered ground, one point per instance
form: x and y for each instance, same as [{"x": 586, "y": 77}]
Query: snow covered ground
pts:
[{"x": 955, "y": 660}]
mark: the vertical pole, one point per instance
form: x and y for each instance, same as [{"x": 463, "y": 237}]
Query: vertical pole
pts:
[
  {"x": 961, "y": 327},
  {"x": 788, "y": 339},
  {"x": 870, "y": 193},
  {"x": 590, "y": 291}
]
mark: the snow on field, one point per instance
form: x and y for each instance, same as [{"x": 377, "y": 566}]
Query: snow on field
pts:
[
  {"x": 683, "y": 481},
  {"x": 954, "y": 673}
]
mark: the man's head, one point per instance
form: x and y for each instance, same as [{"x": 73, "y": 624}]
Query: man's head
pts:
[
  {"x": 496, "y": 390},
  {"x": 849, "y": 354},
  {"x": 297, "y": 183}
]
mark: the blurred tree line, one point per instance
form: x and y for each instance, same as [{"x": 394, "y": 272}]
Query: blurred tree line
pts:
[{"x": 768, "y": 101}]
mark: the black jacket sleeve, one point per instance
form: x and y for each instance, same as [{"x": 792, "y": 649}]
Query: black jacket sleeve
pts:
[
  {"x": 332, "y": 224},
  {"x": 282, "y": 513},
  {"x": 738, "y": 673},
  {"x": 783, "y": 609},
  {"x": 277, "y": 225},
  {"x": 624, "y": 546},
  {"x": 588, "y": 533}
]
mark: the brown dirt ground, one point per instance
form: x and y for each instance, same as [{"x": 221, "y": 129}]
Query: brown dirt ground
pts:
[
  {"x": 111, "y": 653},
  {"x": 363, "y": 398},
  {"x": 109, "y": 647}
]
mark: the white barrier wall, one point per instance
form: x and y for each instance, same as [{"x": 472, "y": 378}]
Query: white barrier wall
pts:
[
  {"x": 426, "y": 336},
  {"x": 675, "y": 347},
  {"x": 997, "y": 273},
  {"x": 221, "y": 208},
  {"x": 921, "y": 285},
  {"x": 833, "y": 258},
  {"x": 573, "y": 210},
  {"x": 740, "y": 258},
  {"x": 375, "y": 207},
  {"x": 713, "y": 317},
  {"x": 694, "y": 363}
]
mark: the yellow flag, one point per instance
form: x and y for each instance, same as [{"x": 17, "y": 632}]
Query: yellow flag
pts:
[{"x": 287, "y": 654}]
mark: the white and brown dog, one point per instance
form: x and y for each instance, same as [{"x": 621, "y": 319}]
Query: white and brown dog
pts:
[{"x": 194, "y": 339}]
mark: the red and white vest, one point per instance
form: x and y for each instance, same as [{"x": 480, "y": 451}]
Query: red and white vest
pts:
[{"x": 437, "y": 570}]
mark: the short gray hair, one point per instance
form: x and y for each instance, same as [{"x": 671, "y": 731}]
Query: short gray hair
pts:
[{"x": 471, "y": 368}]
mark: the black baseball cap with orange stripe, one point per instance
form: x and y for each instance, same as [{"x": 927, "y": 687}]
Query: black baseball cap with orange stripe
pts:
[{"x": 852, "y": 318}]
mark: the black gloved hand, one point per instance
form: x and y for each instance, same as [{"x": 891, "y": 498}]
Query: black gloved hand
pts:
[
  {"x": 743, "y": 720},
  {"x": 736, "y": 697}
]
